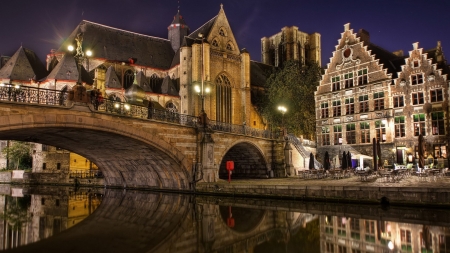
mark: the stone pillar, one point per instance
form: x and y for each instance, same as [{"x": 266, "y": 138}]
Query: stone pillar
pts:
[
  {"x": 207, "y": 157},
  {"x": 288, "y": 160}
]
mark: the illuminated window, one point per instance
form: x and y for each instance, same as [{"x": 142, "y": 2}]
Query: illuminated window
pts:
[
  {"x": 349, "y": 106},
  {"x": 370, "y": 231},
  {"x": 336, "y": 83},
  {"x": 437, "y": 123},
  {"x": 364, "y": 103},
  {"x": 223, "y": 99},
  {"x": 405, "y": 239},
  {"x": 348, "y": 80},
  {"x": 417, "y": 79},
  {"x": 324, "y": 110},
  {"x": 336, "y": 108},
  {"x": 337, "y": 135},
  {"x": 380, "y": 129},
  {"x": 362, "y": 77},
  {"x": 417, "y": 98},
  {"x": 325, "y": 136},
  {"x": 351, "y": 133},
  {"x": 419, "y": 124},
  {"x": 398, "y": 101},
  {"x": 436, "y": 95},
  {"x": 365, "y": 132},
  {"x": 399, "y": 125},
  {"x": 378, "y": 100},
  {"x": 440, "y": 151}
]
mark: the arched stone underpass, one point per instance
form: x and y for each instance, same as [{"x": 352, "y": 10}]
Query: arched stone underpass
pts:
[
  {"x": 124, "y": 161},
  {"x": 249, "y": 162}
]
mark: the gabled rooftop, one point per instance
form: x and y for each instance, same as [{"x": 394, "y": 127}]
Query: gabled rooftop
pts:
[{"x": 23, "y": 66}]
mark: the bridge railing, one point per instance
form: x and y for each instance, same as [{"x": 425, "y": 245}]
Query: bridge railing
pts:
[{"x": 32, "y": 95}]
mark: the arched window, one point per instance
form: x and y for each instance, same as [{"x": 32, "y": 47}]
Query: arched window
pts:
[
  {"x": 171, "y": 107},
  {"x": 222, "y": 32},
  {"x": 229, "y": 46},
  {"x": 223, "y": 99},
  {"x": 154, "y": 83},
  {"x": 215, "y": 43},
  {"x": 128, "y": 79}
]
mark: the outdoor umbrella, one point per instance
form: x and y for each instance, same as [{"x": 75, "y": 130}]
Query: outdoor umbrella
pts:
[
  {"x": 336, "y": 161},
  {"x": 380, "y": 163},
  {"x": 326, "y": 162},
  {"x": 349, "y": 160},
  {"x": 344, "y": 161},
  {"x": 421, "y": 152},
  {"x": 375, "y": 155},
  {"x": 311, "y": 161}
]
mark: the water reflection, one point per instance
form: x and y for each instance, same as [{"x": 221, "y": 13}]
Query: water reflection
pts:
[{"x": 55, "y": 219}]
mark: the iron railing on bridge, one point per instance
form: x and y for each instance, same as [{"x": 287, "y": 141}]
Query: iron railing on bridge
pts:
[{"x": 33, "y": 95}]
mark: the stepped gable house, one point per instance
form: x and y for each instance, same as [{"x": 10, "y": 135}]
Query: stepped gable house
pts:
[{"x": 368, "y": 92}]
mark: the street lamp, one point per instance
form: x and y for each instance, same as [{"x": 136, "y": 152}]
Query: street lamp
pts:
[
  {"x": 283, "y": 110},
  {"x": 201, "y": 89}
]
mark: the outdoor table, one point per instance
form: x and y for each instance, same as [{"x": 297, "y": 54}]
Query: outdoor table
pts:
[
  {"x": 386, "y": 175},
  {"x": 362, "y": 174}
]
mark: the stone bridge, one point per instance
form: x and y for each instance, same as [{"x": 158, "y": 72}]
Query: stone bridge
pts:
[{"x": 169, "y": 152}]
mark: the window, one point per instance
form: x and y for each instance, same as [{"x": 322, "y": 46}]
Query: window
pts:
[
  {"x": 223, "y": 99},
  {"x": 341, "y": 221},
  {"x": 378, "y": 100},
  {"x": 417, "y": 79},
  {"x": 415, "y": 63},
  {"x": 229, "y": 46},
  {"x": 370, "y": 231},
  {"x": 337, "y": 135},
  {"x": 336, "y": 108},
  {"x": 405, "y": 239},
  {"x": 342, "y": 249},
  {"x": 437, "y": 123},
  {"x": 399, "y": 125},
  {"x": 128, "y": 78},
  {"x": 335, "y": 82},
  {"x": 355, "y": 228},
  {"x": 380, "y": 129},
  {"x": 398, "y": 101},
  {"x": 58, "y": 166},
  {"x": 324, "y": 110},
  {"x": 215, "y": 43},
  {"x": 348, "y": 80},
  {"x": 417, "y": 98},
  {"x": 351, "y": 134},
  {"x": 222, "y": 32},
  {"x": 365, "y": 132},
  {"x": 364, "y": 103},
  {"x": 362, "y": 77},
  {"x": 44, "y": 166},
  {"x": 349, "y": 106},
  {"x": 329, "y": 247},
  {"x": 436, "y": 95},
  {"x": 440, "y": 151},
  {"x": 325, "y": 136},
  {"x": 42, "y": 201},
  {"x": 57, "y": 202},
  {"x": 171, "y": 107},
  {"x": 419, "y": 124},
  {"x": 44, "y": 147}
]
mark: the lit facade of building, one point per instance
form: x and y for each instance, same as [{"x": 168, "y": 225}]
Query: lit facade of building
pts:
[{"x": 368, "y": 92}]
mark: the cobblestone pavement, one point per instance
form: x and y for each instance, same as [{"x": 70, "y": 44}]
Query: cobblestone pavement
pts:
[{"x": 411, "y": 181}]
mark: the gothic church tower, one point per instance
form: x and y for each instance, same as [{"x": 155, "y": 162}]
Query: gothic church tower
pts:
[{"x": 177, "y": 30}]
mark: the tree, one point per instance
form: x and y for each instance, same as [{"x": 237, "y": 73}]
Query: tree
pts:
[
  {"x": 19, "y": 152},
  {"x": 293, "y": 85}
]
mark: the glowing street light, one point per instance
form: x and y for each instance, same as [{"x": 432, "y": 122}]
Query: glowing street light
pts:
[
  {"x": 201, "y": 89},
  {"x": 283, "y": 110}
]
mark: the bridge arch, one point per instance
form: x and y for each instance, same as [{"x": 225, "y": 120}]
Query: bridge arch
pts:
[
  {"x": 249, "y": 161},
  {"x": 147, "y": 157}
]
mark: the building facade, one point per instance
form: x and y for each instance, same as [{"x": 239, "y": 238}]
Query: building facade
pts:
[
  {"x": 368, "y": 92},
  {"x": 290, "y": 44}
]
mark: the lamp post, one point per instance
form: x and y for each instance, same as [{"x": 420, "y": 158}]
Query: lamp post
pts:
[
  {"x": 201, "y": 89},
  {"x": 283, "y": 110}
]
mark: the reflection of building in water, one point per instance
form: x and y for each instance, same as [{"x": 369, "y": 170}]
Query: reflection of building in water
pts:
[
  {"x": 343, "y": 234},
  {"x": 31, "y": 219}
]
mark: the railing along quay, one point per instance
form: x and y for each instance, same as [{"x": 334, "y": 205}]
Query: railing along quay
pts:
[{"x": 41, "y": 96}]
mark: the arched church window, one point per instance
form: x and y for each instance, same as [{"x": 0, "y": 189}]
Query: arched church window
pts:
[
  {"x": 154, "y": 82},
  {"x": 223, "y": 99},
  {"x": 215, "y": 43},
  {"x": 222, "y": 32},
  {"x": 171, "y": 107},
  {"x": 128, "y": 78},
  {"x": 229, "y": 46}
]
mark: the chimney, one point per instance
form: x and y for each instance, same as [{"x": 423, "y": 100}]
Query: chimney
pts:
[{"x": 364, "y": 36}]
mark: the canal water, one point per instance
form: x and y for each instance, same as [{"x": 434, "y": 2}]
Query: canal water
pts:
[{"x": 59, "y": 219}]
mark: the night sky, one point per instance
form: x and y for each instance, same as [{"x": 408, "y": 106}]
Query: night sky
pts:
[{"x": 392, "y": 24}]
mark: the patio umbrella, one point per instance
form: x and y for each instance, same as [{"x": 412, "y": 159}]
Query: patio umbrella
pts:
[
  {"x": 349, "y": 160},
  {"x": 311, "y": 161},
  {"x": 375, "y": 155},
  {"x": 344, "y": 161},
  {"x": 336, "y": 161},
  {"x": 380, "y": 163},
  {"x": 326, "y": 161},
  {"x": 421, "y": 152}
]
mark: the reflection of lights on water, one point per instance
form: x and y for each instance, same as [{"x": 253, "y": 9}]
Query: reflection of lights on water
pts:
[{"x": 390, "y": 245}]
